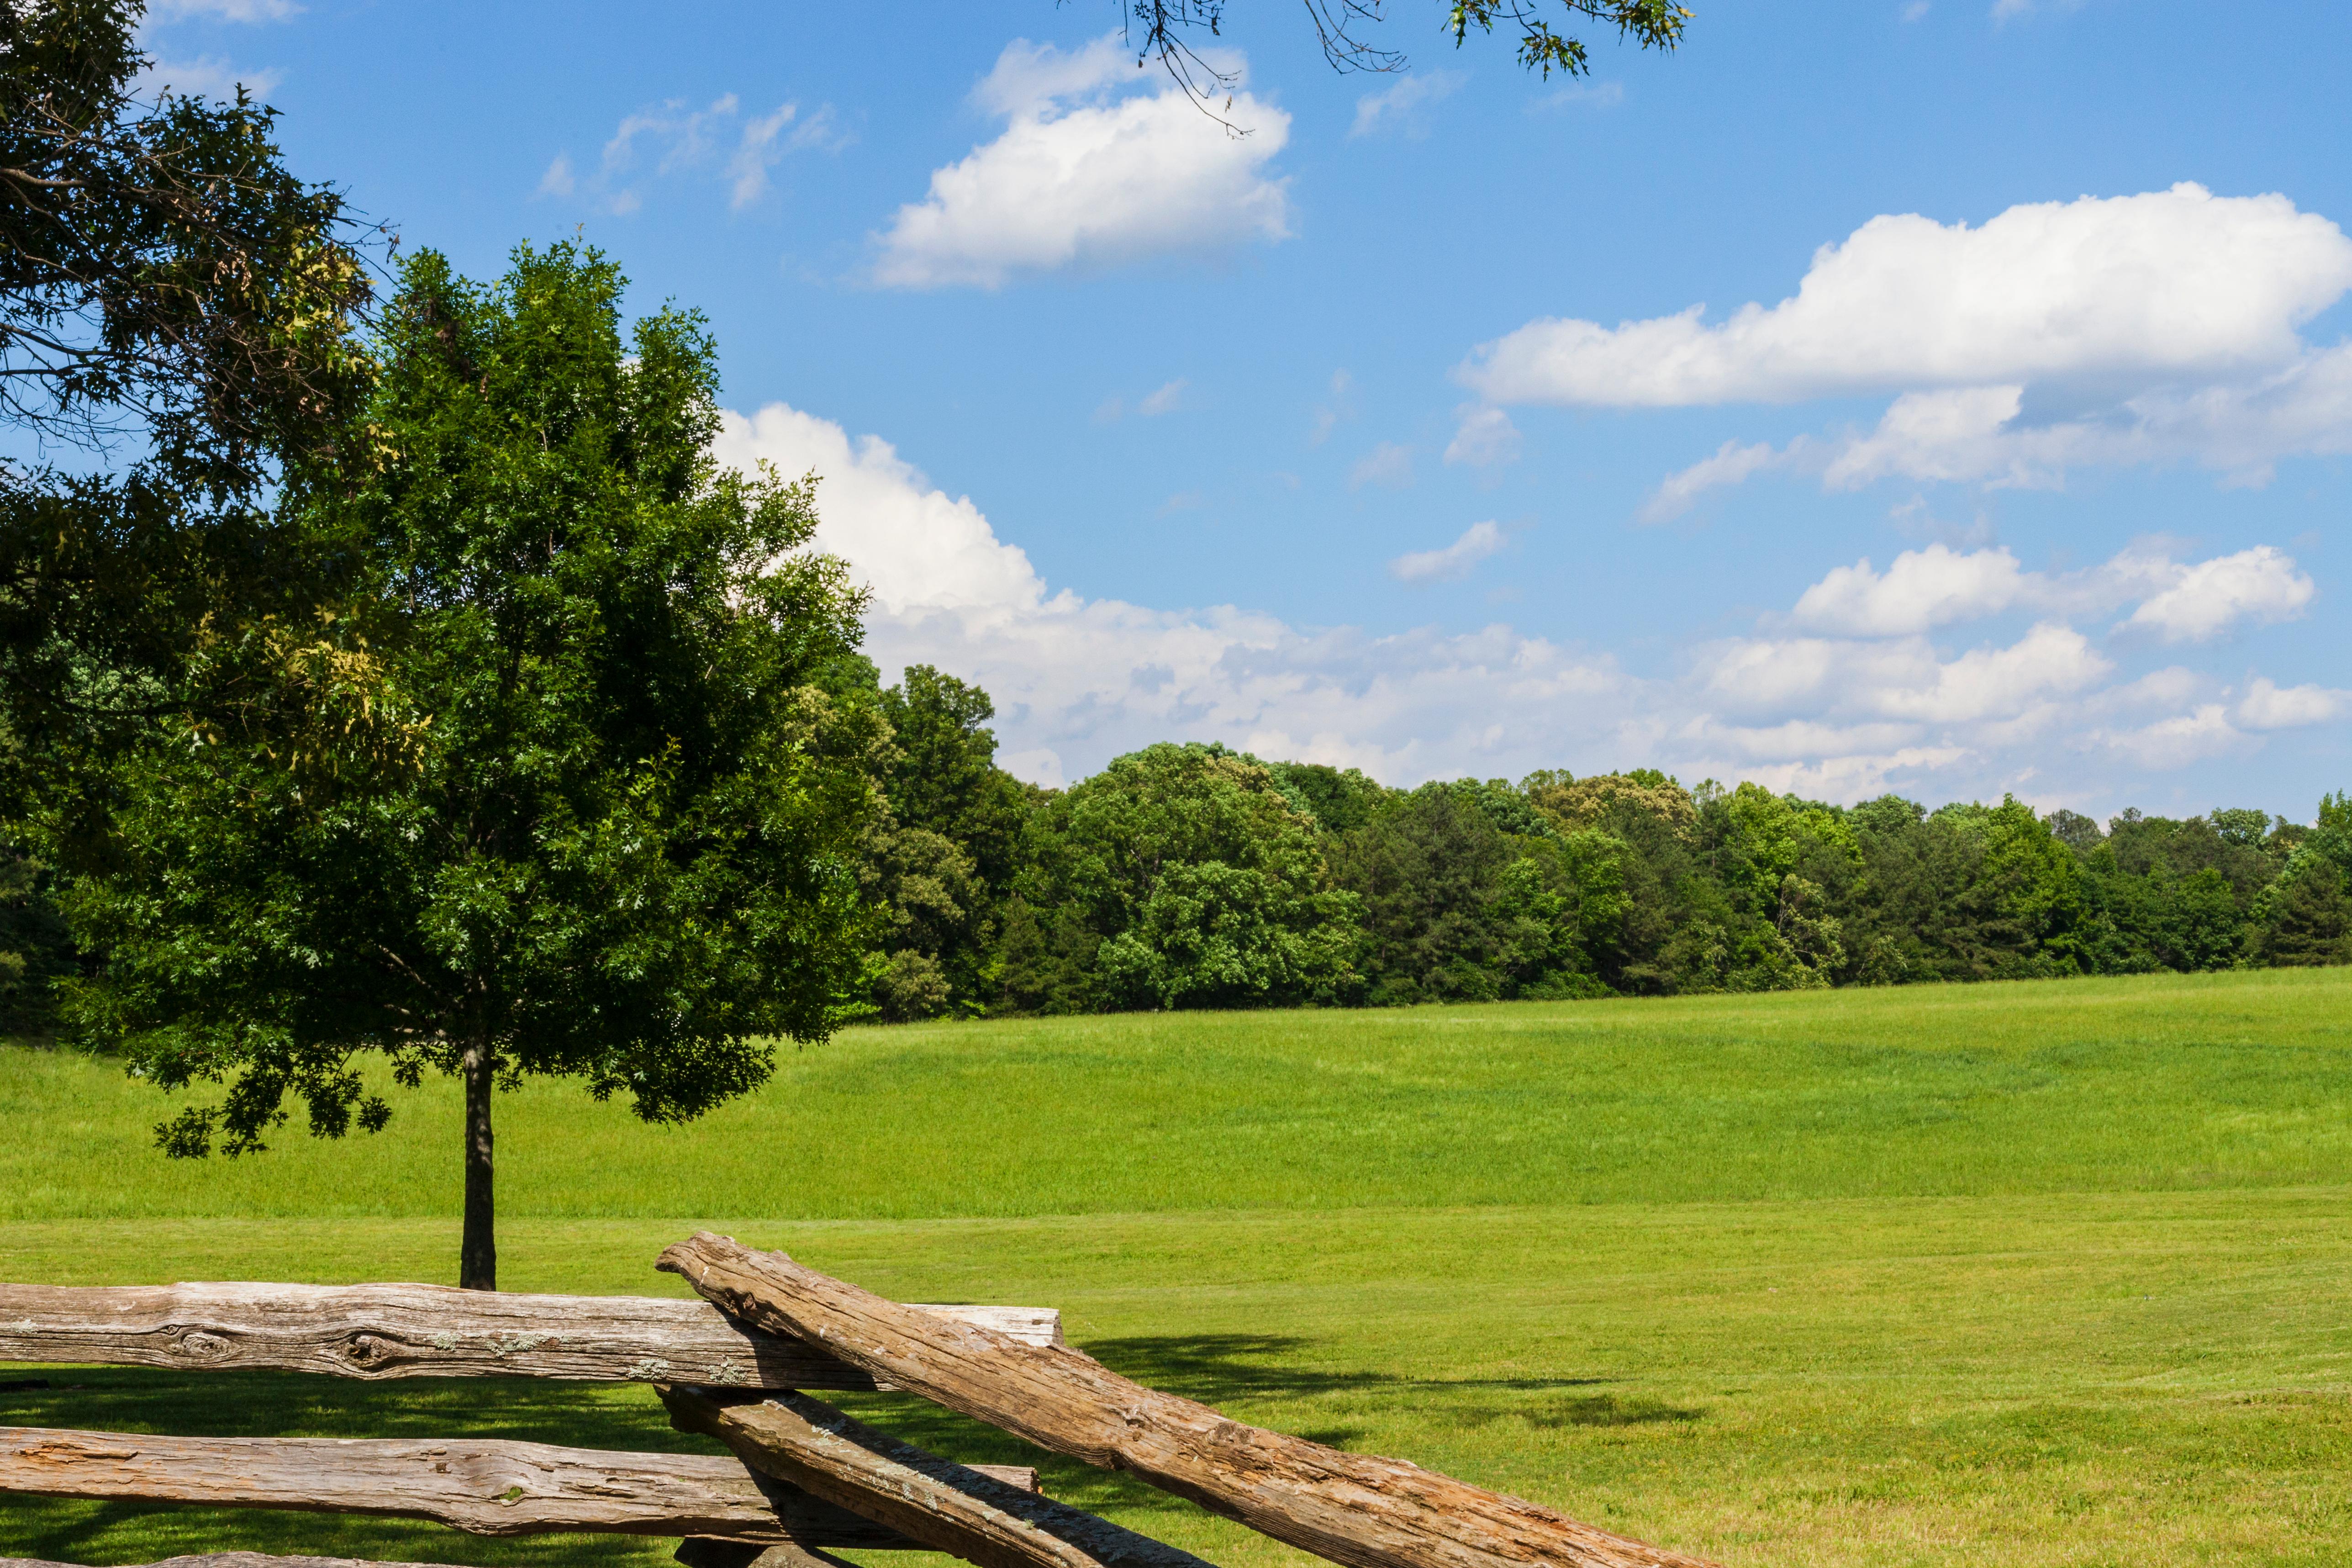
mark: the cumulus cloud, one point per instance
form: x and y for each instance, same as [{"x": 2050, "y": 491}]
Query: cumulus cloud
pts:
[
  {"x": 2269, "y": 706},
  {"x": 2174, "y": 743},
  {"x": 1078, "y": 681},
  {"x": 1457, "y": 560},
  {"x": 1850, "y": 695},
  {"x": 1089, "y": 172},
  {"x": 2177, "y": 282},
  {"x": 1166, "y": 400},
  {"x": 2105, "y": 331},
  {"x": 1987, "y": 436},
  {"x": 2207, "y": 599},
  {"x": 2178, "y": 601},
  {"x": 1923, "y": 589},
  {"x": 1403, "y": 104}
]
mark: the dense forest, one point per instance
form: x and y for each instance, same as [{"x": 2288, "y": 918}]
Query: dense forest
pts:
[{"x": 1194, "y": 876}]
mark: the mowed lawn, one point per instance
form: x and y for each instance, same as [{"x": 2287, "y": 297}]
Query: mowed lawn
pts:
[{"x": 2032, "y": 1274}]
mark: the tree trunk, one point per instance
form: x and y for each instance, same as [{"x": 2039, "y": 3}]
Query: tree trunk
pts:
[{"x": 478, "y": 1254}]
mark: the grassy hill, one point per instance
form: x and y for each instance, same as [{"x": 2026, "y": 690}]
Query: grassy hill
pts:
[{"x": 2036, "y": 1274}]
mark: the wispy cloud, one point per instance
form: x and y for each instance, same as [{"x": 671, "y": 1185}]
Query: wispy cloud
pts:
[
  {"x": 1388, "y": 465},
  {"x": 667, "y": 139},
  {"x": 1404, "y": 105},
  {"x": 1455, "y": 561}
]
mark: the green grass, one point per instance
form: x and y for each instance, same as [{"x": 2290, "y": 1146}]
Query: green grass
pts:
[{"x": 2050, "y": 1274}]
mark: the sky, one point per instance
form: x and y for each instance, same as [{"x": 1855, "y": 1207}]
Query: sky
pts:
[{"x": 1945, "y": 396}]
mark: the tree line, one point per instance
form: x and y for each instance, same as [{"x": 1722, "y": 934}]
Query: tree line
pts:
[{"x": 1194, "y": 876}]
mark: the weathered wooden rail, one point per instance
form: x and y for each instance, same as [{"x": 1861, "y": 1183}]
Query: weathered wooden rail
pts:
[
  {"x": 431, "y": 1330},
  {"x": 484, "y": 1486}
]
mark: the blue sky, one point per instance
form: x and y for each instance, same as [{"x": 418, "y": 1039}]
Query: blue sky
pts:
[{"x": 1950, "y": 397}]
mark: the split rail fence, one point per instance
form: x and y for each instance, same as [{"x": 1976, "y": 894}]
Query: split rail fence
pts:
[{"x": 802, "y": 1479}]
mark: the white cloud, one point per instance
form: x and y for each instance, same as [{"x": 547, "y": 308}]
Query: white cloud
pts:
[
  {"x": 1078, "y": 681},
  {"x": 2269, "y": 706},
  {"x": 2177, "y": 282},
  {"x": 1484, "y": 437},
  {"x": 205, "y": 75},
  {"x": 2181, "y": 602},
  {"x": 1981, "y": 434},
  {"x": 1089, "y": 174},
  {"x": 2177, "y": 742},
  {"x": 2119, "y": 330},
  {"x": 1402, "y": 105},
  {"x": 1773, "y": 678},
  {"x": 1457, "y": 560},
  {"x": 2206, "y": 600},
  {"x": 1923, "y": 588},
  {"x": 1388, "y": 465},
  {"x": 1166, "y": 400}
]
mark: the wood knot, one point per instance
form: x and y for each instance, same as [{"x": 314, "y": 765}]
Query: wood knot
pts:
[
  {"x": 198, "y": 1345},
  {"x": 369, "y": 1350}
]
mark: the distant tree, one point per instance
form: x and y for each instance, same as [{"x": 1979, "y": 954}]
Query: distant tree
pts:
[
  {"x": 574, "y": 807},
  {"x": 943, "y": 776},
  {"x": 1459, "y": 908},
  {"x": 2076, "y": 832},
  {"x": 1338, "y": 799},
  {"x": 941, "y": 862},
  {"x": 2310, "y": 922},
  {"x": 1178, "y": 877}
]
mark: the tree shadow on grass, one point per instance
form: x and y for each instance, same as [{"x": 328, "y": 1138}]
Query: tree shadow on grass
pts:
[{"x": 1215, "y": 1369}]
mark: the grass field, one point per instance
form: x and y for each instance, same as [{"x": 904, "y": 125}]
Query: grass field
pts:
[{"x": 2046, "y": 1274}]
